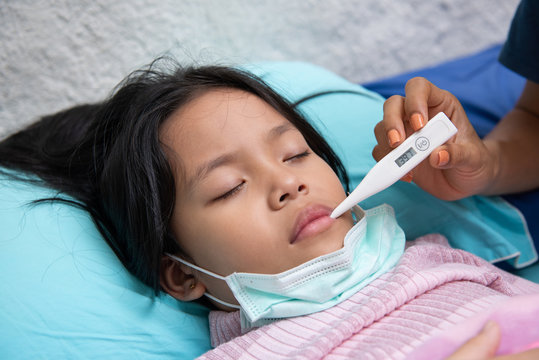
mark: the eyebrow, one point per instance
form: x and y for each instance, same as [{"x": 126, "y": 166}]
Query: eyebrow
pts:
[
  {"x": 279, "y": 130},
  {"x": 203, "y": 170}
]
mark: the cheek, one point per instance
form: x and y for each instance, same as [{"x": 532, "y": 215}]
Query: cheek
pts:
[
  {"x": 329, "y": 180},
  {"x": 251, "y": 241},
  {"x": 217, "y": 241}
]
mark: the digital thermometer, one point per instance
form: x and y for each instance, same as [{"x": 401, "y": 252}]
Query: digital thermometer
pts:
[{"x": 400, "y": 161}]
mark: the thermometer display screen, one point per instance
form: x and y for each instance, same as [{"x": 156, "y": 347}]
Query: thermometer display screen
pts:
[{"x": 407, "y": 155}]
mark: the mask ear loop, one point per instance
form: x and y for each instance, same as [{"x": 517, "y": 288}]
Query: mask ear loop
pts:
[{"x": 207, "y": 272}]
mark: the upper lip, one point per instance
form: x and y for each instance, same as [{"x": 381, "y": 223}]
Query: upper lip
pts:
[{"x": 307, "y": 215}]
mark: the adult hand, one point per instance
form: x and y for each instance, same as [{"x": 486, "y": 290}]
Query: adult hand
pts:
[
  {"x": 462, "y": 167},
  {"x": 484, "y": 345}
]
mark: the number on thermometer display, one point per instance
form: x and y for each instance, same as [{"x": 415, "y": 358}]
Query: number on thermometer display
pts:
[{"x": 407, "y": 155}]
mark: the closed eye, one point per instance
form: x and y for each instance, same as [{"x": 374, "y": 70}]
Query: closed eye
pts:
[
  {"x": 231, "y": 192},
  {"x": 299, "y": 156}
]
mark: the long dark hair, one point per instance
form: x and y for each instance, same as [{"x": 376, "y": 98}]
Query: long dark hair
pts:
[{"x": 107, "y": 157}]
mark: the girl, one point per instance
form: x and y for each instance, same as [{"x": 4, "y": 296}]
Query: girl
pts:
[
  {"x": 152, "y": 167},
  {"x": 210, "y": 167}
]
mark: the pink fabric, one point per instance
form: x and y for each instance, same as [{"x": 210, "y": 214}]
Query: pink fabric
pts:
[
  {"x": 432, "y": 290},
  {"x": 518, "y": 318}
]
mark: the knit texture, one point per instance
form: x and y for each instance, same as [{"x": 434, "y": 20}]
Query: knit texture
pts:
[{"x": 432, "y": 289}]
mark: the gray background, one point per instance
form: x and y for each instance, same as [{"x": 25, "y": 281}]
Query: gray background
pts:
[{"x": 56, "y": 53}]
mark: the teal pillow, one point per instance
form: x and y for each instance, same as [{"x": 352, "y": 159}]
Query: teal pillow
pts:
[{"x": 65, "y": 295}]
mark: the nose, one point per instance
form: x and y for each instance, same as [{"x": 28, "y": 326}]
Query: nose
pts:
[{"x": 286, "y": 186}]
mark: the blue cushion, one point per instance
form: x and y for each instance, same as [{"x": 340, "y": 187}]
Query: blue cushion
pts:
[{"x": 66, "y": 295}]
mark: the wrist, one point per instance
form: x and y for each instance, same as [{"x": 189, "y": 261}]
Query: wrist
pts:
[{"x": 493, "y": 167}]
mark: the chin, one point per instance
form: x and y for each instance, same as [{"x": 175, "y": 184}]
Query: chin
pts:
[{"x": 330, "y": 242}]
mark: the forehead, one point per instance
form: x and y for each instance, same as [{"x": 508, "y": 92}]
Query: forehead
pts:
[
  {"x": 221, "y": 110},
  {"x": 218, "y": 121}
]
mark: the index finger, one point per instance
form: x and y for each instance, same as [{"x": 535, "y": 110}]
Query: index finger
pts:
[
  {"x": 392, "y": 123},
  {"x": 421, "y": 95},
  {"x": 482, "y": 346}
]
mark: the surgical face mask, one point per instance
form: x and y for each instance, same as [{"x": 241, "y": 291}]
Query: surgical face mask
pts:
[{"x": 371, "y": 248}]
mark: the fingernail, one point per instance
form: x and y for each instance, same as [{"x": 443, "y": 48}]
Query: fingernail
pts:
[
  {"x": 393, "y": 136},
  {"x": 407, "y": 178},
  {"x": 417, "y": 121},
  {"x": 443, "y": 158}
]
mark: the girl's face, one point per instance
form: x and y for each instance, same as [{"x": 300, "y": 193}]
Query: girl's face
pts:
[{"x": 251, "y": 195}]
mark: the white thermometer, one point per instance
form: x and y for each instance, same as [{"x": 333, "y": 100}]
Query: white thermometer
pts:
[{"x": 400, "y": 161}]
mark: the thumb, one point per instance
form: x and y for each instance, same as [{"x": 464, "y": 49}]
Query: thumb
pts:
[
  {"x": 482, "y": 346},
  {"x": 453, "y": 155}
]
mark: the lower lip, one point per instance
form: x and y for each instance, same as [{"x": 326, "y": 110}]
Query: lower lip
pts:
[{"x": 315, "y": 227}]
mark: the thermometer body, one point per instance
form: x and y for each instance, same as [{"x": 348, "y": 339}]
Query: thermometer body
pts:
[{"x": 400, "y": 161}]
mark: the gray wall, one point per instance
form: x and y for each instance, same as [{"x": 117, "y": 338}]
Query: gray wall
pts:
[{"x": 56, "y": 53}]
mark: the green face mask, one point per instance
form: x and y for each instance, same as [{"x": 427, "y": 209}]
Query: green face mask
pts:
[{"x": 371, "y": 248}]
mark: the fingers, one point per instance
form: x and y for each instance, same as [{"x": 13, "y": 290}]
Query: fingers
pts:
[
  {"x": 421, "y": 94},
  {"x": 404, "y": 115},
  {"x": 461, "y": 167},
  {"x": 452, "y": 155},
  {"x": 482, "y": 346},
  {"x": 443, "y": 158},
  {"x": 418, "y": 92},
  {"x": 392, "y": 126},
  {"x": 526, "y": 355},
  {"x": 408, "y": 177},
  {"x": 384, "y": 147}
]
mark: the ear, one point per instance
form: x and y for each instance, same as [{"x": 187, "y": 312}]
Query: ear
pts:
[{"x": 178, "y": 281}]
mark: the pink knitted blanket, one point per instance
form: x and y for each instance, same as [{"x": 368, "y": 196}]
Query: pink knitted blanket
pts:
[{"x": 428, "y": 305}]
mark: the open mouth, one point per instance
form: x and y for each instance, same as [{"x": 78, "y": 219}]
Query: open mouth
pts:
[{"x": 311, "y": 221}]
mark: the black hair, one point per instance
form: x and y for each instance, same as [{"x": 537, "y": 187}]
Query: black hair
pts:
[{"x": 107, "y": 156}]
